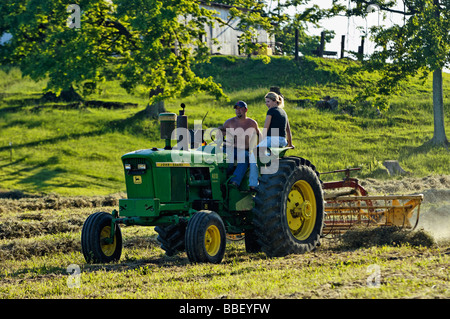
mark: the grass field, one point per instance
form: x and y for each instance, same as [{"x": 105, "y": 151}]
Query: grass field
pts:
[
  {"x": 41, "y": 245},
  {"x": 50, "y": 152},
  {"x": 75, "y": 149}
]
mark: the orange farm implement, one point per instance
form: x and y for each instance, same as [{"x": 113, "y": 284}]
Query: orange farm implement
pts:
[{"x": 347, "y": 204}]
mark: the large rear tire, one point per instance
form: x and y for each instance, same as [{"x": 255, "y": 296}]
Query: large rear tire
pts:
[
  {"x": 94, "y": 234},
  {"x": 171, "y": 237},
  {"x": 289, "y": 210},
  {"x": 205, "y": 238}
]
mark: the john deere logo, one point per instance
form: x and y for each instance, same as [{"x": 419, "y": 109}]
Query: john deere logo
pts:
[{"x": 137, "y": 179}]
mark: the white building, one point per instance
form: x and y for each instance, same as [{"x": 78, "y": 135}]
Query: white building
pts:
[{"x": 227, "y": 36}]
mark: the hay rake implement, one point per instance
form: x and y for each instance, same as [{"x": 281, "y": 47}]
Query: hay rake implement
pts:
[{"x": 347, "y": 204}]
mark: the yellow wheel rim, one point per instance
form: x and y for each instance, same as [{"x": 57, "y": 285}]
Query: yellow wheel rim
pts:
[
  {"x": 212, "y": 240},
  {"x": 301, "y": 210},
  {"x": 107, "y": 249}
]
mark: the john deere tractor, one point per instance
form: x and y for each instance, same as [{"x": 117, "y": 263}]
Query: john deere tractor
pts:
[{"x": 194, "y": 209}]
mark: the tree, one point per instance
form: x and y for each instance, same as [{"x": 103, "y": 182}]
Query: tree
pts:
[
  {"x": 166, "y": 43},
  {"x": 307, "y": 43},
  {"x": 420, "y": 44},
  {"x": 286, "y": 21},
  {"x": 149, "y": 43}
]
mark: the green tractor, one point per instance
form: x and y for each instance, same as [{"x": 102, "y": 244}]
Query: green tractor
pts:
[{"x": 194, "y": 209}]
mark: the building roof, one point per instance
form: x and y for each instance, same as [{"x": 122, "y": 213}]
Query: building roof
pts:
[{"x": 222, "y": 5}]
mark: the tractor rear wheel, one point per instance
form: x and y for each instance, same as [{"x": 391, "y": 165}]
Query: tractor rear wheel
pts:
[
  {"x": 289, "y": 209},
  {"x": 251, "y": 242},
  {"x": 205, "y": 239},
  {"x": 94, "y": 239},
  {"x": 171, "y": 237}
]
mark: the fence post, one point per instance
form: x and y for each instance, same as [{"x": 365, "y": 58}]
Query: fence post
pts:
[
  {"x": 322, "y": 43},
  {"x": 342, "y": 46}
]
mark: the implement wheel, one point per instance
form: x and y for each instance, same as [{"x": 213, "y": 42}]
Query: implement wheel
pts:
[
  {"x": 205, "y": 239},
  {"x": 94, "y": 239},
  {"x": 289, "y": 210}
]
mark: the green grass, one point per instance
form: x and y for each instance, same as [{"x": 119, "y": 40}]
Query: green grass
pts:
[
  {"x": 72, "y": 149},
  {"x": 36, "y": 267}
]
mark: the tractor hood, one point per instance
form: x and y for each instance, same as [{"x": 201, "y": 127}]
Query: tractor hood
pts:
[
  {"x": 172, "y": 158},
  {"x": 163, "y": 174}
]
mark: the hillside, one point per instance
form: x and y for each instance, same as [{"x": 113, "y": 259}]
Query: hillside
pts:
[{"x": 75, "y": 148}]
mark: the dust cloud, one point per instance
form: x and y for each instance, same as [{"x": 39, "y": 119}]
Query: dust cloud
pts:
[{"x": 435, "y": 208}]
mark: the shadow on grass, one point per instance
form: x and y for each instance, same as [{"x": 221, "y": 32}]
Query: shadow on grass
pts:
[
  {"x": 41, "y": 174},
  {"x": 235, "y": 253},
  {"x": 52, "y": 140},
  {"x": 39, "y": 103},
  {"x": 407, "y": 151}
]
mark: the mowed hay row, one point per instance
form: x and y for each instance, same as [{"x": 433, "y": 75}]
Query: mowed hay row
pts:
[
  {"x": 43, "y": 233},
  {"x": 16, "y": 201},
  {"x": 16, "y": 228},
  {"x": 364, "y": 237},
  {"x": 24, "y": 248}
]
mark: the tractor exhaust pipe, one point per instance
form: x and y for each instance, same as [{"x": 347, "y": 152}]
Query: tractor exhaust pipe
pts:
[
  {"x": 167, "y": 121},
  {"x": 182, "y": 130},
  {"x": 170, "y": 122}
]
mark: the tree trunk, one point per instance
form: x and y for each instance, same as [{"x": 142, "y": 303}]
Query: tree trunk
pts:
[
  {"x": 153, "y": 110},
  {"x": 439, "y": 137}
]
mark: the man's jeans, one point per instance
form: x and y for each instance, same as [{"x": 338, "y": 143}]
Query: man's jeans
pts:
[
  {"x": 269, "y": 141},
  {"x": 242, "y": 157}
]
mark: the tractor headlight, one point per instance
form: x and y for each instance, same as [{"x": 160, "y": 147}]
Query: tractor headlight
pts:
[
  {"x": 127, "y": 166},
  {"x": 142, "y": 166}
]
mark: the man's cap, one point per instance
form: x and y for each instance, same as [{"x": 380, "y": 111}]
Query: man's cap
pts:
[{"x": 241, "y": 104}]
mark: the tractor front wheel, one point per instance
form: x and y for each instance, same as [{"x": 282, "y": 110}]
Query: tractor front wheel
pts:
[
  {"x": 205, "y": 239},
  {"x": 95, "y": 239}
]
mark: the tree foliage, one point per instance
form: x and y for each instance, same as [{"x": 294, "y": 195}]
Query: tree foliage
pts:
[
  {"x": 419, "y": 44},
  {"x": 147, "y": 44},
  {"x": 150, "y": 43},
  {"x": 43, "y": 45},
  {"x": 290, "y": 15}
]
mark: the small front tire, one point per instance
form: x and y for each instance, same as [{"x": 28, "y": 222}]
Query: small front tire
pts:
[
  {"x": 205, "y": 238},
  {"x": 94, "y": 234}
]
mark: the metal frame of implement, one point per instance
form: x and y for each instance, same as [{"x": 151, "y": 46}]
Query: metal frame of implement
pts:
[{"x": 356, "y": 208}]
